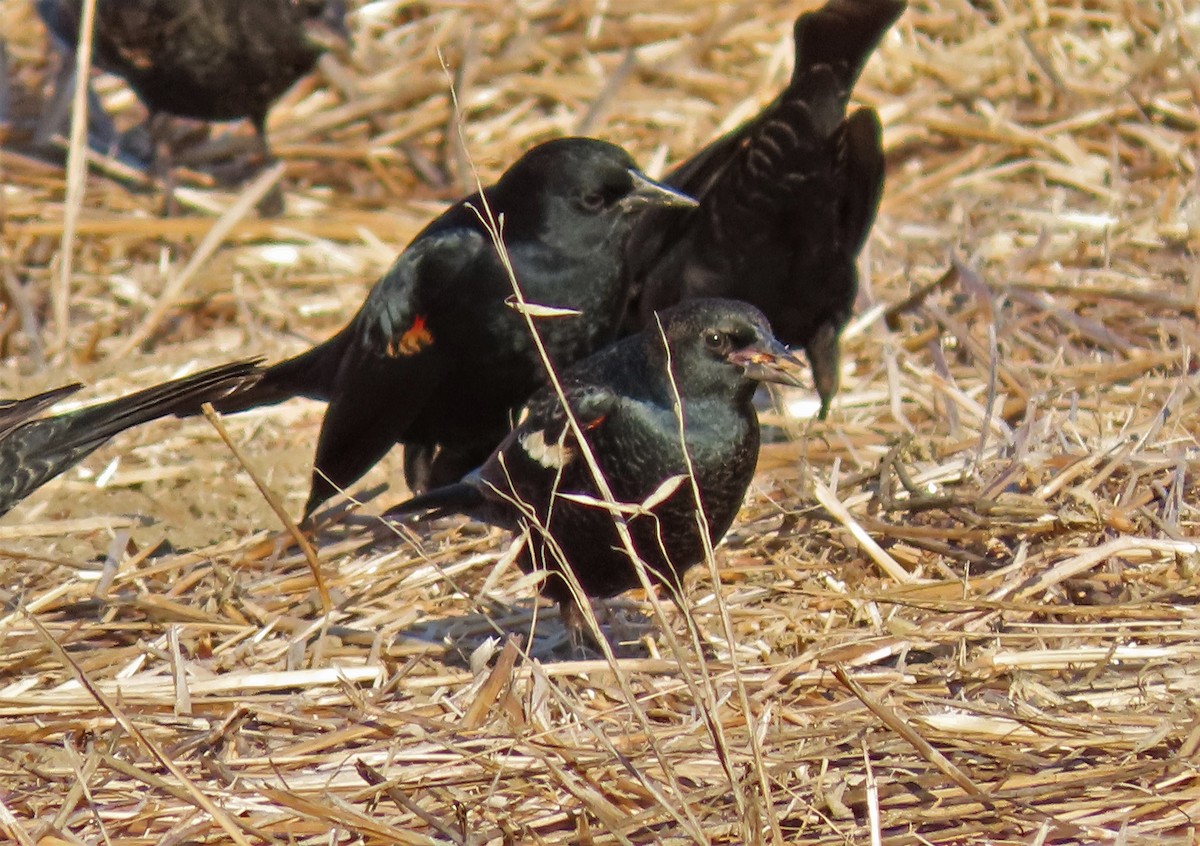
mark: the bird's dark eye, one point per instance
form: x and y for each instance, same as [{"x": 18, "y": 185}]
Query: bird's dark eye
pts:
[
  {"x": 718, "y": 342},
  {"x": 593, "y": 201}
]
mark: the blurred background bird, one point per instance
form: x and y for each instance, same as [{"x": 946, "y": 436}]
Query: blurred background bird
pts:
[{"x": 211, "y": 60}]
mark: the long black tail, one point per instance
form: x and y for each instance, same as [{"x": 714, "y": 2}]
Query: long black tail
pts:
[
  {"x": 15, "y": 412},
  {"x": 36, "y": 451},
  {"x": 841, "y": 35},
  {"x": 311, "y": 374}
]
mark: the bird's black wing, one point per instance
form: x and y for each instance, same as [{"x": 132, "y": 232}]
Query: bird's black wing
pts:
[
  {"x": 542, "y": 445},
  {"x": 770, "y": 151},
  {"x": 390, "y": 323},
  {"x": 526, "y": 468},
  {"x": 61, "y": 18},
  {"x": 382, "y": 369},
  {"x": 841, "y": 35},
  {"x": 385, "y": 326},
  {"x": 38, "y": 450}
]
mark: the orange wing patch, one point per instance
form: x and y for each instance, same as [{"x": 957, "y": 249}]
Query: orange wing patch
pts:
[{"x": 415, "y": 338}]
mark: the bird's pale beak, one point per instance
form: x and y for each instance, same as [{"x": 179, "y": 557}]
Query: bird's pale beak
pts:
[
  {"x": 647, "y": 193},
  {"x": 768, "y": 361}
]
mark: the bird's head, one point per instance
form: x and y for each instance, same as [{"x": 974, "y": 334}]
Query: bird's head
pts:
[
  {"x": 723, "y": 346},
  {"x": 580, "y": 192}
]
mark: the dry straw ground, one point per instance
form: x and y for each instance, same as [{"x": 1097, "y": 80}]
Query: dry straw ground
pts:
[{"x": 963, "y": 610}]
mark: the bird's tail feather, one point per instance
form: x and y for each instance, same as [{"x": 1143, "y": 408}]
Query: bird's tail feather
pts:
[
  {"x": 181, "y": 397},
  {"x": 842, "y": 34},
  {"x": 311, "y": 374},
  {"x": 15, "y": 412}
]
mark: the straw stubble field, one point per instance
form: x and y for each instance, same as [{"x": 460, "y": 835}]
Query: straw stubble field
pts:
[{"x": 962, "y": 610}]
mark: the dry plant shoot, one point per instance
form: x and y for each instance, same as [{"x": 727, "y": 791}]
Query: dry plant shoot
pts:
[{"x": 961, "y": 610}]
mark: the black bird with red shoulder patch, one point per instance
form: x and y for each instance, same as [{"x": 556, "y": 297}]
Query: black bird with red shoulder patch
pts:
[
  {"x": 33, "y": 450},
  {"x": 436, "y": 358},
  {"x": 708, "y": 357},
  {"x": 786, "y": 200},
  {"x": 211, "y": 60}
]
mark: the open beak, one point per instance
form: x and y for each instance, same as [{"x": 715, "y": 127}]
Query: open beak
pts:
[
  {"x": 769, "y": 361},
  {"x": 647, "y": 193}
]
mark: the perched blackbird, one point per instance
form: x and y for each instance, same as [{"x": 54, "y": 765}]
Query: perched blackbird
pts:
[
  {"x": 436, "y": 358},
  {"x": 786, "y": 200},
  {"x": 204, "y": 59},
  {"x": 34, "y": 451},
  {"x": 623, "y": 399}
]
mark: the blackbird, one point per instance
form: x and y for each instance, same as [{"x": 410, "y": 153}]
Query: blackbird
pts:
[
  {"x": 34, "y": 450},
  {"x": 786, "y": 200},
  {"x": 623, "y": 399},
  {"x": 436, "y": 358},
  {"x": 205, "y": 59}
]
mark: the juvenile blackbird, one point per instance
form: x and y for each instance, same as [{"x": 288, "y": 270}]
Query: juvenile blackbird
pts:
[
  {"x": 436, "y": 359},
  {"x": 786, "y": 200},
  {"x": 212, "y": 60},
  {"x": 624, "y": 402},
  {"x": 34, "y": 450}
]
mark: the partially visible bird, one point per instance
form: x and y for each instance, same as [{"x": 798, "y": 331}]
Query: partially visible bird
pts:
[
  {"x": 786, "y": 200},
  {"x": 706, "y": 355},
  {"x": 211, "y": 60},
  {"x": 436, "y": 359},
  {"x": 33, "y": 450}
]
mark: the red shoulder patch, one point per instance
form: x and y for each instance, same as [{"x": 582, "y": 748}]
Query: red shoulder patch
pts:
[{"x": 414, "y": 339}]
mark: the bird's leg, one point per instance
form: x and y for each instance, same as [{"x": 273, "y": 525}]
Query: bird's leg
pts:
[
  {"x": 54, "y": 113},
  {"x": 271, "y": 205},
  {"x": 162, "y": 170},
  {"x": 53, "y": 120},
  {"x": 583, "y": 643}
]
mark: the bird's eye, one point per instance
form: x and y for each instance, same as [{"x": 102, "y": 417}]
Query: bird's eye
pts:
[
  {"x": 593, "y": 201},
  {"x": 716, "y": 341}
]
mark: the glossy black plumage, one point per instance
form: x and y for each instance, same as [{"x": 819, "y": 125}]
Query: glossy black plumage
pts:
[
  {"x": 436, "y": 359},
  {"x": 34, "y": 450},
  {"x": 624, "y": 402},
  {"x": 786, "y": 200},
  {"x": 205, "y": 59}
]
